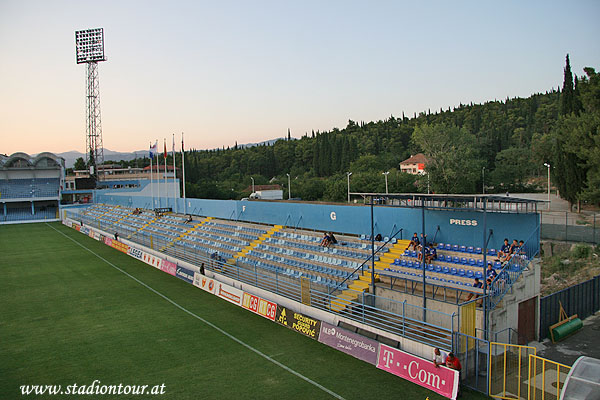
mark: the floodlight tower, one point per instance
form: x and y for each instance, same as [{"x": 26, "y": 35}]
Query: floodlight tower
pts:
[{"x": 89, "y": 49}]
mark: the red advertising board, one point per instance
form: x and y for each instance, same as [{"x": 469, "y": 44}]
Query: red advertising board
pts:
[
  {"x": 168, "y": 267},
  {"x": 259, "y": 306},
  {"x": 441, "y": 380}
]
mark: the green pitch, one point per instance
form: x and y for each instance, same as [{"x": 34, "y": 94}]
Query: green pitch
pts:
[{"x": 68, "y": 317}]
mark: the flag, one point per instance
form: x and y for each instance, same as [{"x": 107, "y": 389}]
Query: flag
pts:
[
  {"x": 165, "y": 150},
  {"x": 153, "y": 149}
]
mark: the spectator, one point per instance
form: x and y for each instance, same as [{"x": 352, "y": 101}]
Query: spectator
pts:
[
  {"x": 188, "y": 219},
  {"x": 378, "y": 237},
  {"x": 332, "y": 238},
  {"x": 491, "y": 272},
  {"x": 202, "y": 268},
  {"x": 414, "y": 242},
  {"x": 439, "y": 357},
  {"x": 116, "y": 236},
  {"x": 420, "y": 254},
  {"x": 504, "y": 250},
  {"x": 325, "y": 241},
  {"x": 453, "y": 362},
  {"x": 476, "y": 284},
  {"x": 432, "y": 254},
  {"x": 521, "y": 250}
]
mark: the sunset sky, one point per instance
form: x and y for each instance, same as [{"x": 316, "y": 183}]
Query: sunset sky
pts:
[{"x": 246, "y": 71}]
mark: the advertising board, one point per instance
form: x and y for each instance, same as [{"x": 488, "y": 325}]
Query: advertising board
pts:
[
  {"x": 441, "y": 380},
  {"x": 259, "y": 306},
  {"x": 349, "y": 342},
  {"x": 204, "y": 283},
  {"x": 168, "y": 267},
  {"x": 229, "y": 293},
  {"x": 185, "y": 274},
  {"x": 298, "y": 322}
]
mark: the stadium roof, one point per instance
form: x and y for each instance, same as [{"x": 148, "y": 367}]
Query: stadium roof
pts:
[
  {"x": 464, "y": 202},
  {"x": 21, "y": 160}
]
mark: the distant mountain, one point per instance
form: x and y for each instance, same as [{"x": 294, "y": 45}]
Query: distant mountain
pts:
[{"x": 109, "y": 155}]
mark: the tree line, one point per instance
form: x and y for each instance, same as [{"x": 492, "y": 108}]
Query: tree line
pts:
[{"x": 501, "y": 144}]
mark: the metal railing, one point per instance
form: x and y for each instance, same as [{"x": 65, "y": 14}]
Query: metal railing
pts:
[
  {"x": 513, "y": 269},
  {"x": 400, "y": 318}
]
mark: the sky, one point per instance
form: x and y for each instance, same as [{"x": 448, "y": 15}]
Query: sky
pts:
[{"x": 247, "y": 71}]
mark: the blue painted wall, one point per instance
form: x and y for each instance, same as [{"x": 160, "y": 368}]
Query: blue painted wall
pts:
[{"x": 457, "y": 227}]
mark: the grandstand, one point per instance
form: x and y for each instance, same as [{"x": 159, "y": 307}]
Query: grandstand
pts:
[
  {"x": 30, "y": 187},
  {"x": 378, "y": 288}
]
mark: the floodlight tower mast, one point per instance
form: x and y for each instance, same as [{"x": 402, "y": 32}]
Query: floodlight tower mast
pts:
[{"x": 89, "y": 48}]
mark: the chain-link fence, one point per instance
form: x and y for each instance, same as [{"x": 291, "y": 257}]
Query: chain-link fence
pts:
[{"x": 570, "y": 227}]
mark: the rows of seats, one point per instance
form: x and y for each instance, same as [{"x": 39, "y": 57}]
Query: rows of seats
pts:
[
  {"x": 433, "y": 275},
  {"x": 29, "y": 188},
  {"x": 317, "y": 277},
  {"x": 296, "y": 251},
  {"x": 24, "y": 214}
]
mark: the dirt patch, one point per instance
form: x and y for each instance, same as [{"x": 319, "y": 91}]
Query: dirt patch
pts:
[{"x": 569, "y": 266}]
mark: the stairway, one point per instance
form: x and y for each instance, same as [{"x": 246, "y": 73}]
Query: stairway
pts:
[
  {"x": 361, "y": 285},
  {"x": 184, "y": 234},
  {"x": 255, "y": 243}
]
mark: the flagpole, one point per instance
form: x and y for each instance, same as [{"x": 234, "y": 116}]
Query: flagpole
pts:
[
  {"x": 151, "y": 184},
  {"x": 183, "y": 166},
  {"x": 166, "y": 187},
  {"x": 174, "y": 178}
]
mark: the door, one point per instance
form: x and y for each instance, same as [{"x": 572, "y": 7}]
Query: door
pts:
[{"x": 527, "y": 321}]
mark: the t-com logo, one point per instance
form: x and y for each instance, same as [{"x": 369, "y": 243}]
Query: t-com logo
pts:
[{"x": 463, "y": 222}]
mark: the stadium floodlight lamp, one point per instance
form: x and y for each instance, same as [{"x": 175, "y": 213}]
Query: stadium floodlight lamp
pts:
[{"x": 89, "y": 45}]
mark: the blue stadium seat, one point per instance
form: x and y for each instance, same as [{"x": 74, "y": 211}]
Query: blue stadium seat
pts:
[
  {"x": 441, "y": 257},
  {"x": 403, "y": 263},
  {"x": 456, "y": 260},
  {"x": 470, "y": 274},
  {"x": 440, "y": 246},
  {"x": 472, "y": 262},
  {"x": 463, "y": 249},
  {"x": 492, "y": 252},
  {"x": 453, "y": 271},
  {"x": 438, "y": 269},
  {"x": 480, "y": 263},
  {"x": 397, "y": 261},
  {"x": 455, "y": 247},
  {"x": 478, "y": 275},
  {"x": 464, "y": 261},
  {"x": 413, "y": 254},
  {"x": 470, "y": 250},
  {"x": 478, "y": 250},
  {"x": 497, "y": 265},
  {"x": 461, "y": 272},
  {"x": 448, "y": 247}
]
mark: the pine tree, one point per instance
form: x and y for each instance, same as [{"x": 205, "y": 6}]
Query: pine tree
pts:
[{"x": 289, "y": 135}]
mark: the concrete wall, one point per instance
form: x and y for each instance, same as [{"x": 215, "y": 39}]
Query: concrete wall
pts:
[{"x": 446, "y": 226}]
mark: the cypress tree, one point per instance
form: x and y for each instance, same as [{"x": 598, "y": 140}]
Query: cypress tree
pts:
[{"x": 566, "y": 99}]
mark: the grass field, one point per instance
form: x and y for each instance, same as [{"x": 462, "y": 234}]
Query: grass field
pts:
[{"x": 67, "y": 316}]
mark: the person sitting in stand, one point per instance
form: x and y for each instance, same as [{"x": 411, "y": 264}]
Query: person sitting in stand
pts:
[
  {"x": 414, "y": 242},
  {"x": 439, "y": 357},
  {"x": 491, "y": 273},
  {"x": 332, "y": 238},
  {"x": 504, "y": 250},
  {"x": 188, "y": 219},
  {"x": 476, "y": 284},
  {"x": 378, "y": 237},
  {"x": 325, "y": 241},
  {"x": 521, "y": 249},
  {"x": 420, "y": 253},
  {"x": 431, "y": 255}
]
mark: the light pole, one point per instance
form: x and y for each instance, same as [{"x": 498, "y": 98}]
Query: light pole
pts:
[
  {"x": 289, "y": 187},
  {"x": 547, "y": 165},
  {"x": 348, "y": 175},
  {"x": 483, "y": 180},
  {"x": 252, "y": 185},
  {"x": 386, "y": 182}
]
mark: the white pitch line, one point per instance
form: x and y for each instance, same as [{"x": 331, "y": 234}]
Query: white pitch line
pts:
[{"x": 230, "y": 336}]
